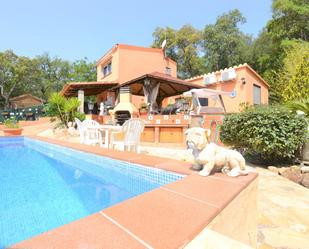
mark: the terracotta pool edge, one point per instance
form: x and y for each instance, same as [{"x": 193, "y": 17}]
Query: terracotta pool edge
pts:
[{"x": 151, "y": 161}]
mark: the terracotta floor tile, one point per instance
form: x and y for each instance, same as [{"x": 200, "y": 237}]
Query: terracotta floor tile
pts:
[
  {"x": 206, "y": 189},
  {"x": 92, "y": 232},
  {"x": 163, "y": 219}
]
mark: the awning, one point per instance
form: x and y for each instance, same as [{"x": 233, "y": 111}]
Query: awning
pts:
[
  {"x": 205, "y": 93},
  {"x": 169, "y": 86},
  {"x": 90, "y": 88}
]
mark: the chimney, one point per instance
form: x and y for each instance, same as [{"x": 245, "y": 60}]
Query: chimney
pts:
[{"x": 124, "y": 94}]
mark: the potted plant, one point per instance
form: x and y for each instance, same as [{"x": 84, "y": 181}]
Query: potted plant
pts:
[
  {"x": 11, "y": 127},
  {"x": 143, "y": 109}
]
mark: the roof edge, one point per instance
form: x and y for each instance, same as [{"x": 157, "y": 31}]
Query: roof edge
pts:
[
  {"x": 133, "y": 47},
  {"x": 245, "y": 65},
  {"x": 24, "y": 95}
]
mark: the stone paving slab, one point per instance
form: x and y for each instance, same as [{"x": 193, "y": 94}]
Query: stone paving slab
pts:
[{"x": 283, "y": 209}]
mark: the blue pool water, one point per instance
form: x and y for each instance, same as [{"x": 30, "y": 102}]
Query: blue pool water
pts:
[{"x": 44, "y": 186}]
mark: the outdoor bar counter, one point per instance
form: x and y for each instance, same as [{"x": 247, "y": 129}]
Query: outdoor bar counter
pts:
[{"x": 171, "y": 128}]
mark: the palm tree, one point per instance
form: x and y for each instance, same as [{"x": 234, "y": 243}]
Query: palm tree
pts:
[{"x": 299, "y": 106}]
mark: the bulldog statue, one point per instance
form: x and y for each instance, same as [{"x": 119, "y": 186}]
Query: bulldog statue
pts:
[{"x": 211, "y": 157}]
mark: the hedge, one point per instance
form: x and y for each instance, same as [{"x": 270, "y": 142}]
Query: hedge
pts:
[{"x": 273, "y": 133}]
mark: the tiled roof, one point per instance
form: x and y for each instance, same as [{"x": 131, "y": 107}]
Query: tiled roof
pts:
[
  {"x": 26, "y": 96},
  {"x": 170, "y": 86},
  {"x": 225, "y": 69},
  {"x": 90, "y": 88}
]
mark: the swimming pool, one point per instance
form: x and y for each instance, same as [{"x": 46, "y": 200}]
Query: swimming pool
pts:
[{"x": 44, "y": 186}]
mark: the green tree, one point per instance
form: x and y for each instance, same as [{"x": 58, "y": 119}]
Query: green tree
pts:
[
  {"x": 262, "y": 49},
  {"x": 63, "y": 110},
  {"x": 183, "y": 46},
  {"x": 50, "y": 75},
  {"x": 292, "y": 82},
  {"x": 298, "y": 86},
  {"x": 15, "y": 74},
  {"x": 39, "y": 76},
  {"x": 288, "y": 26},
  {"x": 289, "y": 20},
  {"x": 83, "y": 70},
  {"x": 223, "y": 42}
]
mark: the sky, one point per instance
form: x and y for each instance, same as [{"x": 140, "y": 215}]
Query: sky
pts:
[{"x": 76, "y": 29}]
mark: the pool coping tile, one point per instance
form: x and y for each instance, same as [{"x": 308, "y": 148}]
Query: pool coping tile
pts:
[
  {"x": 93, "y": 231},
  {"x": 171, "y": 220},
  {"x": 207, "y": 190}
]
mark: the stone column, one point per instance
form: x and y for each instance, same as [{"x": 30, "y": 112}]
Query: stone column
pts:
[{"x": 81, "y": 97}]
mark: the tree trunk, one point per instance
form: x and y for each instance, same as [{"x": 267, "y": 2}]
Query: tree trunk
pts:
[{"x": 6, "y": 102}]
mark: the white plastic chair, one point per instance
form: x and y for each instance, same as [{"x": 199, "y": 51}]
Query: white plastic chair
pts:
[
  {"x": 132, "y": 130},
  {"x": 81, "y": 130},
  {"x": 92, "y": 133}
]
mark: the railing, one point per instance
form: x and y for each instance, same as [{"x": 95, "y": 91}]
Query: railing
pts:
[{"x": 29, "y": 113}]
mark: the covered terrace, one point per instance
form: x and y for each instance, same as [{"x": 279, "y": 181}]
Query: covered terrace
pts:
[
  {"x": 156, "y": 86},
  {"x": 89, "y": 88}
]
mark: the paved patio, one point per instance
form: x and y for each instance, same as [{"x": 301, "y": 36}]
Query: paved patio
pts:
[{"x": 283, "y": 209}]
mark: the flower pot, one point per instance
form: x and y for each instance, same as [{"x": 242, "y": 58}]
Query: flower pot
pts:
[
  {"x": 12, "y": 131},
  {"x": 143, "y": 112}
]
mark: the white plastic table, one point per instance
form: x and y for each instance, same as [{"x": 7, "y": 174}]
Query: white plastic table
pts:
[{"x": 107, "y": 129}]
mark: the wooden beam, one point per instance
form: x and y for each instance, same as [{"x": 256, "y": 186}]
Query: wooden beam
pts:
[
  {"x": 222, "y": 103},
  {"x": 140, "y": 91},
  {"x": 178, "y": 92},
  {"x": 165, "y": 93}
]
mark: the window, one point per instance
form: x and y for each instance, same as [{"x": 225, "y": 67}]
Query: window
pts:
[
  {"x": 168, "y": 71},
  {"x": 203, "y": 101},
  {"x": 107, "y": 69},
  {"x": 256, "y": 95}
]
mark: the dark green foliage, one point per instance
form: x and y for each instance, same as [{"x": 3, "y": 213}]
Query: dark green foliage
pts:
[
  {"x": 63, "y": 110},
  {"x": 274, "y": 133},
  {"x": 299, "y": 106},
  {"x": 224, "y": 44},
  {"x": 15, "y": 73},
  {"x": 290, "y": 20},
  {"x": 11, "y": 123},
  {"x": 215, "y": 47},
  {"x": 39, "y": 76},
  {"x": 183, "y": 46}
]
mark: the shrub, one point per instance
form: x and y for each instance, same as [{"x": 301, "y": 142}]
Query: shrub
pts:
[
  {"x": 63, "y": 110},
  {"x": 11, "y": 123},
  {"x": 273, "y": 133}
]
